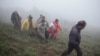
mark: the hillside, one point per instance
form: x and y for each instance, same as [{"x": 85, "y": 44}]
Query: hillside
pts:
[{"x": 13, "y": 43}]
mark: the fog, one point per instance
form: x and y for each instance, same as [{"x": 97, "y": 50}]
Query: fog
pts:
[{"x": 70, "y": 11}]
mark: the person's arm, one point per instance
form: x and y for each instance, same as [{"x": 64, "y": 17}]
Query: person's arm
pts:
[
  {"x": 13, "y": 19},
  {"x": 59, "y": 27},
  {"x": 17, "y": 18},
  {"x": 20, "y": 18}
]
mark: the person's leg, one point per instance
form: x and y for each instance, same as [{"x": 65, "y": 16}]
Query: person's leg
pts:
[
  {"x": 35, "y": 32},
  {"x": 78, "y": 50},
  {"x": 55, "y": 34},
  {"x": 67, "y": 52},
  {"x": 30, "y": 32},
  {"x": 15, "y": 26},
  {"x": 52, "y": 33},
  {"x": 20, "y": 26},
  {"x": 46, "y": 34}
]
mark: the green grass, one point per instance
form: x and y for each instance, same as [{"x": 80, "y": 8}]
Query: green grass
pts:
[{"x": 14, "y": 43}]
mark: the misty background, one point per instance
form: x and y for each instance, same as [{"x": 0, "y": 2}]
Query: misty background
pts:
[{"x": 69, "y": 12}]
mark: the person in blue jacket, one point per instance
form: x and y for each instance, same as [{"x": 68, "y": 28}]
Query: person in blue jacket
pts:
[{"x": 74, "y": 39}]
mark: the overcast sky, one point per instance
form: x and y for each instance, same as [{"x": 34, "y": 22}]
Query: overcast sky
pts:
[{"x": 72, "y": 10}]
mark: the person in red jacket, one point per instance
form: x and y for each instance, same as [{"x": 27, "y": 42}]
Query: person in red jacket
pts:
[{"x": 54, "y": 28}]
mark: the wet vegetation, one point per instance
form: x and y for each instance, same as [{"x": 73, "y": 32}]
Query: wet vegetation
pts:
[{"x": 14, "y": 43}]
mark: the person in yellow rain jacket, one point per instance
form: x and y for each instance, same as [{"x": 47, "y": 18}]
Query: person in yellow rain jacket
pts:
[{"x": 29, "y": 25}]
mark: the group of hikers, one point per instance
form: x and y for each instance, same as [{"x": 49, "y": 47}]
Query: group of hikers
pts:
[
  {"x": 41, "y": 28},
  {"x": 45, "y": 30}
]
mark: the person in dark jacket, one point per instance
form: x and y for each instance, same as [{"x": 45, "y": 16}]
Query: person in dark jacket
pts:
[
  {"x": 74, "y": 39},
  {"x": 16, "y": 20}
]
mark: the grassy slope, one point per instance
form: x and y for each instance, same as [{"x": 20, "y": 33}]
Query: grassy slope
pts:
[{"x": 13, "y": 43}]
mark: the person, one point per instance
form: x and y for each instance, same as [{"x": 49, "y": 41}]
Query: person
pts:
[
  {"x": 42, "y": 29},
  {"x": 74, "y": 39},
  {"x": 54, "y": 28},
  {"x": 29, "y": 25},
  {"x": 39, "y": 19},
  {"x": 16, "y": 20}
]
